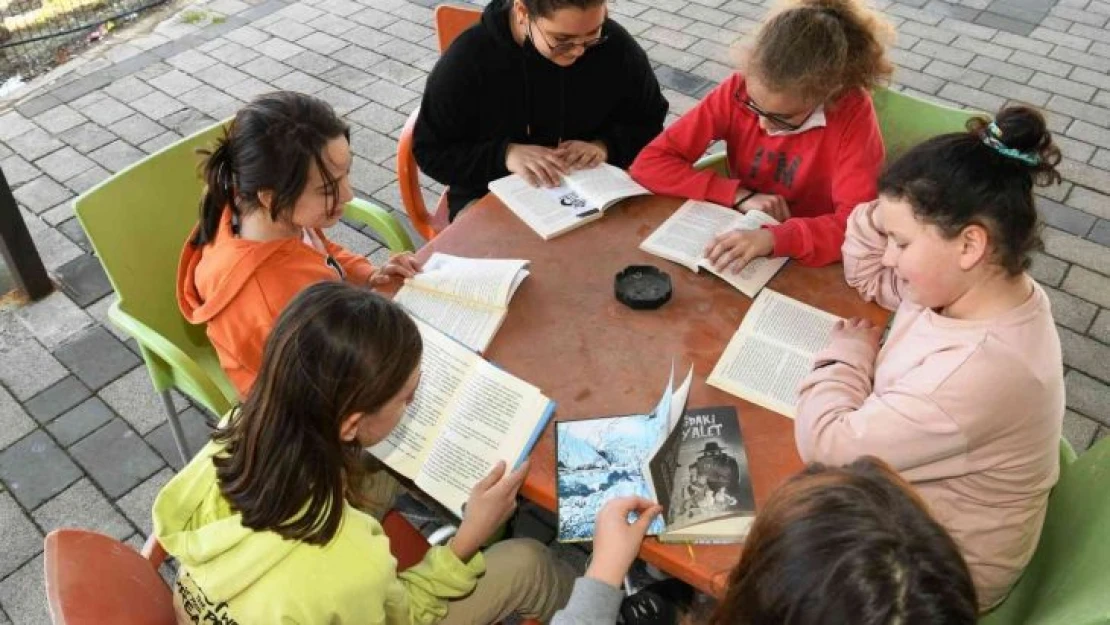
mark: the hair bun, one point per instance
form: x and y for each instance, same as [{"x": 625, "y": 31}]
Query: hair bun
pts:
[{"x": 1024, "y": 129}]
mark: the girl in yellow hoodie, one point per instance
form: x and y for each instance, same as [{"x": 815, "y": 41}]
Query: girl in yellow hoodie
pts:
[{"x": 262, "y": 522}]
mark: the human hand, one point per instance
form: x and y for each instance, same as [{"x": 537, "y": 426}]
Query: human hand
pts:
[
  {"x": 773, "y": 205},
  {"x": 582, "y": 154},
  {"x": 734, "y": 249},
  {"x": 616, "y": 541},
  {"x": 403, "y": 265},
  {"x": 538, "y": 165},
  {"x": 491, "y": 503},
  {"x": 858, "y": 329}
]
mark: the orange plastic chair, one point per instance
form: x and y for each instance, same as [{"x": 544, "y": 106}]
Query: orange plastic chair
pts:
[
  {"x": 450, "y": 21},
  {"x": 93, "y": 579}
]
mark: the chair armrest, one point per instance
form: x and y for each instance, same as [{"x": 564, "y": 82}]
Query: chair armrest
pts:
[
  {"x": 161, "y": 347},
  {"x": 382, "y": 222}
]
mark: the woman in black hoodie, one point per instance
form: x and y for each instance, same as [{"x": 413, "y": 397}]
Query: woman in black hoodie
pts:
[{"x": 538, "y": 88}]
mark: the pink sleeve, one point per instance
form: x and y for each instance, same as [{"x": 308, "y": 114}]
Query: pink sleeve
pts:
[
  {"x": 864, "y": 246},
  {"x": 816, "y": 241},
  {"x": 839, "y": 418},
  {"x": 666, "y": 165}
]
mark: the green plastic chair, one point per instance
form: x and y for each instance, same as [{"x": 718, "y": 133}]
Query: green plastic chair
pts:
[
  {"x": 904, "y": 121},
  {"x": 1066, "y": 581},
  {"x": 137, "y": 221}
]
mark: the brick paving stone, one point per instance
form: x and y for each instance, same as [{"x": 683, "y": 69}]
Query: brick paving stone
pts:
[
  {"x": 34, "y": 144},
  {"x": 191, "y": 61},
  {"x": 82, "y": 505},
  {"x": 1089, "y": 285},
  {"x": 88, "y": 179},
  {"x": 377, "y": 117},
  {"x": 1085, "y": 175},
  {"x": 278, "y": 49},
  {"x": 22, "y": 539},
  {"x": 80, "y": 421},
  {"x": 1079, "y": 430},
  {"x": 17, "y": 171},
  {"x": 157, "y": 143},
  {"x": 54, "y": 319},
  {"x": 35, "y": 469},
  {"x": 1088, "y": 396},
  {"x": 14, "y": 422},
  {"x": 177, "y": 82},
  {"x": 1090, "y": 201},
  {"x": 87, "y": 137},
  {"x": 23, "y": 594},
  {"x": 96, "y": 357},
  {"x": 188, "y": 121},
  {"x": 59, "y": 119},
  {"x": 157, "y": 105},
  {"x": 57, "y": 399},
  {"x": 133, "y": 398},
  {"x": 1064, "y": 218},
  {"x": 13, "y": 124},
  {"x": 64, "y": 164},
  {"x": 300, "y": 81},
  {"x": 116, "y": 156},
  {"x": 1070, "y": 311},
  {"x": 40, "y": 194},
  {"x": 1076, "y": 250},
  {"x": 102, "y": 108},
  {"x": 83, "y": 280},
  {"x": 116, "y": 457},
  {"x": 311, "y": 63},
  {"x": 1086, "y": 355},
  {"x": 136, "y": 129},
  {"x": 128, "y": 89},
  {"x": 138, "y": 503},
  {"x": 1101, "y": 233}
]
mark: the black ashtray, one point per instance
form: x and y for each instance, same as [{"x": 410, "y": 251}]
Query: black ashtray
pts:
[{"x": 643, "y": 287}]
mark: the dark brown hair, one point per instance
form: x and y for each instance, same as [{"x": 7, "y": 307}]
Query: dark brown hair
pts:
[
  {"x": 336, "y": 350},
  {"x": 544, "y": 8},
  {"x": 820, "y": 49},
  {"x": 271, "y": 144},
  {"x": 847, "y": 545},
  {"x": 956, "y": 180}
]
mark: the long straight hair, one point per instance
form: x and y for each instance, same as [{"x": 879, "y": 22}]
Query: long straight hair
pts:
[
  {"x": 848, "y": 545},
  {"x": 336, "y": 350}
]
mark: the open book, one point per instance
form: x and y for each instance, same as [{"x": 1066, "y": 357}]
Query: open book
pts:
[
  {"x": 466, "y": 415},
  {"x": 700, "y": 476},
  {"x": 603, "y": 458},
  {"x": 466, "y": 298},
  {"x": 684, "y": 236},
  {"x": 582, "y": 197},
  {"x": 772, "y": 351}
]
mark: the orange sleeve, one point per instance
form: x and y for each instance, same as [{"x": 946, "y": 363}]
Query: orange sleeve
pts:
[{"x": 357, "y": 268}]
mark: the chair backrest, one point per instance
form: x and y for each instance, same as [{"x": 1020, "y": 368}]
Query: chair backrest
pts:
[
  {"x": 137, "y": 222},
  {"x": 453, "y": 19},
  {"x": 906, "y": 120},
  {"x": 92, "y": 579},
  {"x": 1065, "y": 583}
]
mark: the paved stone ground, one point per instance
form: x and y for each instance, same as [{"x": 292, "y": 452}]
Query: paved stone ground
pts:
[{"x": 83, "y": 440}]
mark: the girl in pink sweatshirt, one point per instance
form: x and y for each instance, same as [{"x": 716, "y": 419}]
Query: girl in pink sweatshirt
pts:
[{"x": 966, "y": 396}]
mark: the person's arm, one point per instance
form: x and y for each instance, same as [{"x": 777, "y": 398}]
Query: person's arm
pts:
[
  {"x": 639, "y": 115},
  {"x": 444, "y": 141},
  {"x": 840, "y": 418},
  {"x": 593, "y": 602},
  {"x": 816, "y": 241},
  {"x": 358, "y": 269},
  {"x": 440, "y": 577},
  {"x": 666, "y": 165},
  {"x": 865, "y": 244}
]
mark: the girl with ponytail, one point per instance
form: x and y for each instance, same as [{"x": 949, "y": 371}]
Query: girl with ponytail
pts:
[
  {"x": 274, "y": 182},
  {"x": 802, "y": 140},
  {"x": 966, "y": 396}
]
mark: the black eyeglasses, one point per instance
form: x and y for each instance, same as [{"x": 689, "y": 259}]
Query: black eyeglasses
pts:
[
  {"x": 559, "y": 49},
  {"x": 775, "y": 118}
]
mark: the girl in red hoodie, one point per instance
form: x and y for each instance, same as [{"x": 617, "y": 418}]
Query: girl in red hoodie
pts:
[
  {"x": 275, "y": 181},
  {"x": 802, "y": 139}
]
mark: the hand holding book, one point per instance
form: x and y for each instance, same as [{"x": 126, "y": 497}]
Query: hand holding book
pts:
[
  {"x": 492, "y": 501},
  {"x": 616, "y": 541}
]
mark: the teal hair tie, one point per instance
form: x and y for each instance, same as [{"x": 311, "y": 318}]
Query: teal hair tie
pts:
[{"x": 993, "y": 138}]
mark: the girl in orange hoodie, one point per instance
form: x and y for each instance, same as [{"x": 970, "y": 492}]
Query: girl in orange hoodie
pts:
[{"x": 275, "y": 181}]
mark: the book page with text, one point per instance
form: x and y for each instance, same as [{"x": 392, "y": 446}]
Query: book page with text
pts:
[
  {"x": 683, "y": 237},
  {"x": 772, "y": 351},
  {"x": 473, "y": 325},
  {"x": 550, "y": 212},
  {"x": 443, "y": 368},
  {"x": 493, "y": 418},
  {"x": 604, "y": 184},
  {"x": 488, "y": 281}
]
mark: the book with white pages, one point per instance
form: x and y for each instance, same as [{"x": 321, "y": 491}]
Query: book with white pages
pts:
[
  {"x": 466, "y": 298},
  {"x": 465, "y": 416},
  {"x": 582, "y": 197},
  {"x": 683, "y": 237},
  {"x": 772, "y": 351}
]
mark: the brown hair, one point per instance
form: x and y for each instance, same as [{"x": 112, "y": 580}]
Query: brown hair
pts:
[
  {"x": 958, "y": 179},
  {"x": 820, "y": 49},
  {"x": 271, "y": 144},
  {"x": 336, "y": 350},
  {"x": 847, "y": 545}
]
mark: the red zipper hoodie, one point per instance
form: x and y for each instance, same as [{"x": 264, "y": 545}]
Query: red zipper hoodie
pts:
[
  {"x": 239, "y": 287},
  {"x": 822, "y": 173}
]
